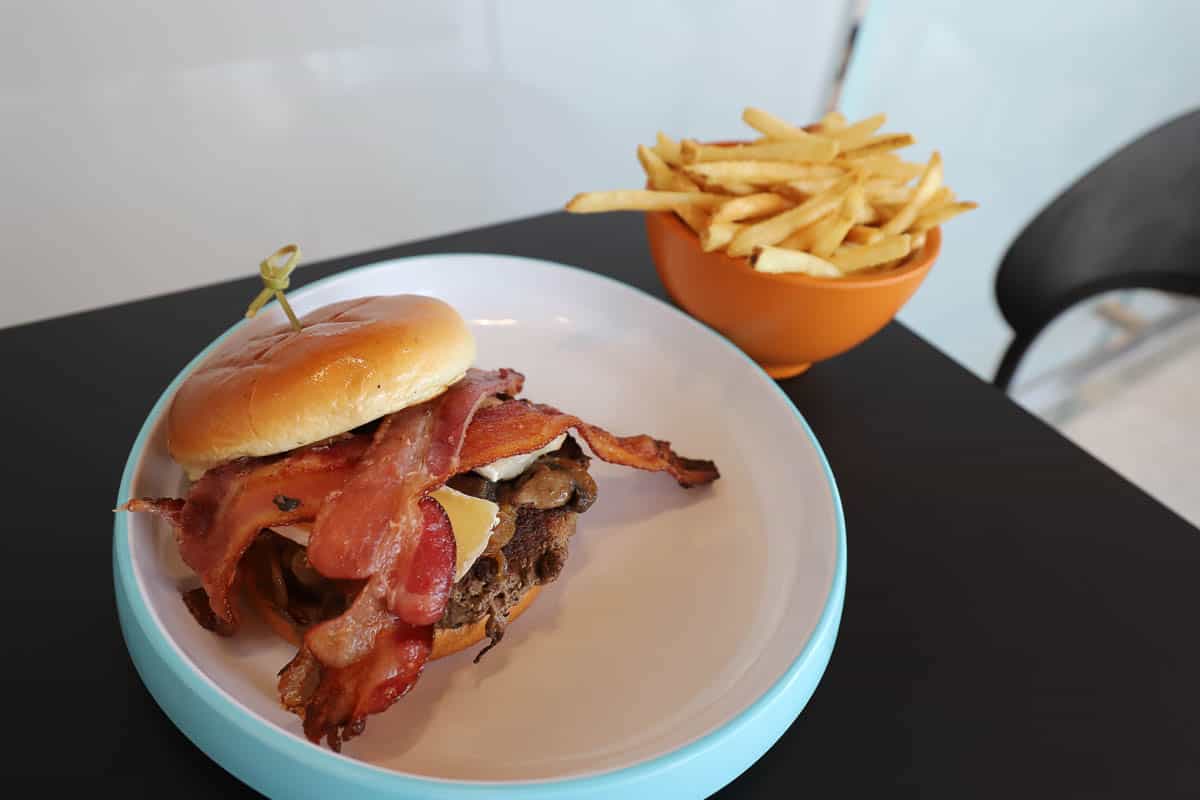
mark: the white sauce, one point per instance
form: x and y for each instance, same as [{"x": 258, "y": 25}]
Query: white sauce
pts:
[{"x": 508, "y": 468}]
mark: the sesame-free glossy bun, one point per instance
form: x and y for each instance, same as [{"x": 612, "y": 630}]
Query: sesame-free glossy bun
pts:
[
  {"x": 447, "y": 641},
  {"x": 351, "y": 363}
]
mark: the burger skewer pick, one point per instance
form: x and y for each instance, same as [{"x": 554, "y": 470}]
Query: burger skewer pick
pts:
[{"x": 276, "y": 279}]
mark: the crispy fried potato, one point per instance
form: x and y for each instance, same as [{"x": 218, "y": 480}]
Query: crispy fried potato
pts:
[
  {"x": 668, "y": 149},
  {"x": 858, "y": 134},
  {"x": 832, "y": 121},
  {"x": 933, "y": 217},
  {"x": 737, "y": 187},
  {"x": 801, "y": 190},
  {"x": 779, "y": 227},
  {"x": 750, "y": 206},
  {"x": 662, "y": 177},
  {"x": 838, "y": 225},
  {"x": 804, "y": 238},
  {"x": 863, "y": 234},
  {"x": 762, "y": 173},
  {"x": 832, "y": 236},
  {"x": 941, "y": 197},
  {"x": 881, "y": 144},
  {"x": 930, "y": 181},
  {"x": 694, "y": 217},
  {"x": 717, "y": 234},
  {"x": 782, "y": 260},
  {"x": 813, "y": 149},
  {"x": 800, "y": 240},
  {"x": 885, "y": 190},
  {"x": 882, "y": 165},
  {"x": 851, "y": 258},
  {"x": 660, "y": 174},
  {"x": 859, "y": 208},
  {"x": 639, "y": 200},
  {"x": 772, "y": 126}
]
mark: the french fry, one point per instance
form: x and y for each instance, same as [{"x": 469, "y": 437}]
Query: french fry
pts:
[
  {"x": 941, "y": 197},
  {"x": 804, "y": 188},
  {"x": 662, "y": 177},
  {"x": 863, "y": 234},
  {"x": 780, "y": 260},
  {"x": 772, "y": 126},
  {"x": 885, "y": 211},
  {"x": 693, "y": 217},
  {"x": 833, "y": 234},
  {"x": 764, "y": 173},
  {"x": 859, "y": 208},
  {"x": 777, "y": 228},
  {"x": 668, "y": 149},
  {"x": 801, "y": 239},
  {"x": 930, "y": 181},
  {"x": 884, "y": 190},
  {"x": 918, "y": 242},
  {"x": 660, "y": 174},
  {"x": 937, "y": 216},
  {"x": 737, "y": 187},
  {"x": 883, "y": 165},
  {"x": 858, "y": 134},
  {"x": 639, "y": 200},
  {"x": 804, "y": 238},
  {"x": 823, "y": 170},
  {"x": 814, "y": 148},
  {"x": 882, "y": 144},
  {"x": 849, "y": 258},
  {"x": 717, "y": 235},
  {"x": 832, "y": 121},
  {"x": 868, "y": 215},
  {"x": 754, "y": 205},
  {"x": 838, "y": 225}
]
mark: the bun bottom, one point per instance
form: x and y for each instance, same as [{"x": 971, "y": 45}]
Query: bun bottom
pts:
[{"x": 447, "y": 641}]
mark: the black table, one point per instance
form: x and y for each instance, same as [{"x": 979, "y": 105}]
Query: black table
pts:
[{"x": 1019, "y": 619}]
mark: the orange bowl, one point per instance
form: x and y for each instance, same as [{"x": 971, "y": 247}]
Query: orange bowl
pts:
[{"x": 784, "y": 322}]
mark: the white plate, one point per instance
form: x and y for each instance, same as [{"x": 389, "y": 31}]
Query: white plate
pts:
[{"x": 678, "y": 611}]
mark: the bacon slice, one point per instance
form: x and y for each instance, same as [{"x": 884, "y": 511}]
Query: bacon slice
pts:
[
  {"x": 230, "y": 504},
  {"x": 334, "y": 701},
  {"x": 168, "y": 508},
  {"x": 519, "y": 426},
  {"x": 381, "y": 526}
]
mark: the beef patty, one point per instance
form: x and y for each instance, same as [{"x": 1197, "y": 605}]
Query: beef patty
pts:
[{"x": 538, "y": 509}]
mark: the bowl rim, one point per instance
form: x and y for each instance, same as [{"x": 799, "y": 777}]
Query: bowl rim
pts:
[{"x": 918, "y": 263}]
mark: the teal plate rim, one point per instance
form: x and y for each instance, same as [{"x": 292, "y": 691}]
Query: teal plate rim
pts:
[{"x": 280, "y": 764}]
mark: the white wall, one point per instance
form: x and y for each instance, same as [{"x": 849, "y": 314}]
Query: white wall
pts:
[
  {"x": 153, "y": 146},
  {"x": 1022, "y": 97}
]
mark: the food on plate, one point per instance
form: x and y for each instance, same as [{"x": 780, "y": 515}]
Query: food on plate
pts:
[
  {"x": 827, "y": 200},
  {"x": 374, "y": 498}
]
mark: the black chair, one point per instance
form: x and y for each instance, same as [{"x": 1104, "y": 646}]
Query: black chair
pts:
[{"x": 1133, "y": 222}]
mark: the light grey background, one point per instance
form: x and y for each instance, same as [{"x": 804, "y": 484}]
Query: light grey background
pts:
[{"x": 154, "y": 146}]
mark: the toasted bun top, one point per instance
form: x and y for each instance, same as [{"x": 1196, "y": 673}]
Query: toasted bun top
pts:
[{"x": 279, "y": 389}]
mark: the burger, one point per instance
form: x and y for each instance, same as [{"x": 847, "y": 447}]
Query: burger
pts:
[{"x": 375, "y": 499}]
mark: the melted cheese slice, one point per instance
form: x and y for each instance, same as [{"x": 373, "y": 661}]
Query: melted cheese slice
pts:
[{"x": 471, "y": 518}]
